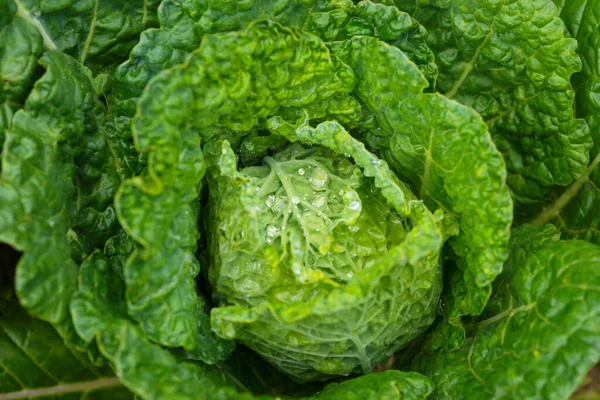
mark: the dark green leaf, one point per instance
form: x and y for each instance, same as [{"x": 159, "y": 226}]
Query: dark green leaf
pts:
[
  {"x": 576, "y": 210},
  {"x": 35, "y": 363},
  {"x": 510, "y": 61},
  {"x": 543, "y": 340}
]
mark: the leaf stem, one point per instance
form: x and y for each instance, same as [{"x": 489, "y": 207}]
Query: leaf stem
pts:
[
  {"x": 469, "y": 66},
  {"x": 555, "y": 208},
  {"x": 64, "y": 388},
  {"x": 26, "y": 15}
]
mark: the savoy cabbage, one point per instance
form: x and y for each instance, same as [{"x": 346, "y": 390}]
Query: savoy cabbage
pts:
[{"x": 312, "y": 199}]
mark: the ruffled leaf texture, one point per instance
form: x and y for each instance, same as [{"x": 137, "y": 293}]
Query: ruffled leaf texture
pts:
[
  {"x": 511, "y": 61},
  {"x": 576, "y": 211},
  {"x": 37, "y": 193},
  {"x": 99, "y": 34},
  {"x": 183, "y": 24}
]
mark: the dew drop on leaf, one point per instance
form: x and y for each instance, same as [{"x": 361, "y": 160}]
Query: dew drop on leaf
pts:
[
  {"x": 318, "y": 181},
  {"x": 319, "y": 201},
  {"x": 355, "y": 205},
  {"x": 270, "y": 201}
]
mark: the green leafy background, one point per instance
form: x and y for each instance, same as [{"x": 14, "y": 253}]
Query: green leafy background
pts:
[{"x": 466, "y": 120}]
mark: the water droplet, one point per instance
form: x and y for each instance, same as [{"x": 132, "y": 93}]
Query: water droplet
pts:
[
  {"x": 377, "y": 163},
  {"x": 301, "y": 171},
  {"x": 320, "y": 201},
  {"x": 272, "y": 232},
  {"x": 295, "y": 199},
  {"x": 354, "y": 228},
  {"x": 270, "y": 201},
  {"x": 341, "y": 193},
  {"x": 355, "y": 205},
  {"x": 319, "y": 178},
  {"x": 249, "y": 145},
  {"x": 344, "y": 167}
]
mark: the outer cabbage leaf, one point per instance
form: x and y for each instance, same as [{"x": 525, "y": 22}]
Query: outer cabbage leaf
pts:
[
  {"x": 575, "y": 211},
  {"x": 99, "y": 313},
  {"x": 20, "y": 47},
  {"x": 582, "y": 19},
  {"x": 444, "y": 149},
  {"x": 539, "y": 337},
  {"x": 311, "y": 256},
  {"x": 36, "y": 363},
  {"x": 384, "y": 385},
  {"x": 329, "y": 20},
  {"x": 99, "y": 34},
  {"x": 36, "y": 193},
  {"x": 510, "y": 61},
  {"x": 57, "y": 188},
  {"x": 228, "y": 84}
]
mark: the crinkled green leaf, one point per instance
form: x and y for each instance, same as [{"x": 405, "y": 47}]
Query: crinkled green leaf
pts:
[
  {"x": 575, "y": 211},
  {"x": 445, "y": 150},
  {"x": 148, "y": 370},
  {"x": 36, "y": 193},
  {"x": 582, "y": 19},
  {"x": 383, "y": 385},
  {"x": 510, "y": 61},
  {"x": 330, "y": 20},
  {"x": 231, "y": 82},
  {"x": 20, "y": 47},
  {"x": 55, "y": 207},
  {"x": 330, "y": 248},
  {"x": 183, "y": 24},
  {"x": 34, "y": 362},
  {"x": 98, "y": 33},
  {"x": 543, "y": 340}
]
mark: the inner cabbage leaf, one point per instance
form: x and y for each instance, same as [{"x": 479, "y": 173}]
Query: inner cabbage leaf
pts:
[{"x": 322, "y": 263}]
